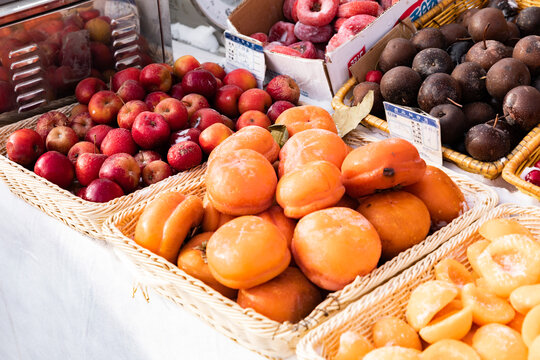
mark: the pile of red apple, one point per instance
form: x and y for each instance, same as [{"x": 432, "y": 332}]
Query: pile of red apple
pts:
[
  {"x": 319, "y": 25},
  {"x": 152, "y": 123}
]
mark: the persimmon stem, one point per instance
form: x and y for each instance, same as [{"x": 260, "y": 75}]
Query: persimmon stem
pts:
[
  {"x": 485, "y": 33},
  {"x": 455, "y": 103}
]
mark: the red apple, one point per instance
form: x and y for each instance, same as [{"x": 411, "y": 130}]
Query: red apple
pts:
[
  {"x": 215, "y": 69},
  {"x": 155, "y": 77},
  {"x": 190, "y": 134},
  {"x": 131, "y": 90},
  {"x": 48, "y": 121},
  {"x": 87, "y": 15},
  {"x": 253, "y": 117},
  {"x": 283, "y": 87},
  {"x": 277, "y": 108},
  {"x": 241, "y": 78},
  {"x": 81, "y": 192},
  {"x": 87, "y": 167},
  {"x": 102, "y": 190},
  {"x": 156, "y": 171},
  {"x": 177, "y": 92},
  {"x": 61, "y": 139},
  {"x": 80, "y": 148},
  {"x": 174, "y": 112},
  {"x": 24, "y": 146},
  {"x": 230, "y": 124},
  {"x": 144, "y": 157},
  {"x": 118, "y": 141},
  {"x": 102, "y": 56},
  {"x": 203, "y": 118},
  {"x": 254, "y": 99},
  {"x": 155, "y": 98},
  {"x": 184, "y": 64},
  {"x": 122, "y": 76},
  {"x": 226, "y": 100},
  {"x": 150, "y": 130},
  {"x": 212, "y": 136},
  {"x": 78, "y": 109},
  {"x": 122, "y": 169},
  {"x": 87, "y": 88},
  {"x": 128, "y": 113},
  {"x": 184, "y": 155},
  {"x": 81, "y": 124},
  {"x": 104, "y": 106},
  {"x": 194, "y": 102},
  {"x": 97, "y": 133},
  {"x": 200, "y": 81},
  {"x": 56, "y": 168}
]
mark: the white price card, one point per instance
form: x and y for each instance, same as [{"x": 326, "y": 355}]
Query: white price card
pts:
[
  {"x": 417, "y": 127},
  {"x": 243, "y": 52}
]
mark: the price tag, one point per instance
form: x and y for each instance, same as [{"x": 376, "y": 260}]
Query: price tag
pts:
[
  {"x": 417, "y": 127},
  {"x": 242, "y": 52}
]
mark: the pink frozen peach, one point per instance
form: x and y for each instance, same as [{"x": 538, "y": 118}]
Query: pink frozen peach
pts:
[
  {"x": 288, "y": 9},
  {"x": 262, "y": 37},
  {"x": 315, "y": 34},
  {"x": 359, "y": 7},
  {"x": 283, "y": 32},
  {"x": 316, "y": 12},
  {"x": 305, "y": 48}
]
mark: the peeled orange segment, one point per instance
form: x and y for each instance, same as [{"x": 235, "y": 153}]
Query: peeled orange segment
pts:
[
  {"x": 495, "y": 228},
  {"x": 499, "y": 342},
  {"x": 427, "y": 300},
  {"x": 508, "y": 263},
  {"x": 517, "y": 322},
  {"x": 534, "y": 349},
  {"x": 526, "y": 297},
  {"x": 454, "y": 272},
  {"x": 452, "y": 322},
  {"x": 352, "y": 346},
  {"x": 531, "y": 325},
  {"x": 486, "y": 307},
  {"x": 449, "y": 349},
  {"x": 473, "y": 251},
  {"x": 392, "y": 331},
  {"x": 392, "y": 353}
]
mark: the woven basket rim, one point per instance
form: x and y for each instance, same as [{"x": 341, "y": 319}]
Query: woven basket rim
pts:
[{"x": 512, "y": 170}]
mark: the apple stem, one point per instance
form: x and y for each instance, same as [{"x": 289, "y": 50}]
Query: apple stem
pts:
[
  {"x": 496, "y": 119},
  {"x": 485, "y": 33},
  {"x": 455, "y": 103},
  {"x": 483, "y": 77}
]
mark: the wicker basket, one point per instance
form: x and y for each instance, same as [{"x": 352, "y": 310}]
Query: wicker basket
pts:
[
  {"x": 444, "y": 13},
  {"x": 526, "y": 157},
  {"x": 247, "y": 327},
  {"x": 84, "y": 216},
  {"x": 323, "y": 342}
]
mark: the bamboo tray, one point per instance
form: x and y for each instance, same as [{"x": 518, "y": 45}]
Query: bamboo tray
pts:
[
  {"x": 250, "y": 329},
  {"x": 526, "y": 157},
  {"x": 84, "y": 216},
  {"x": 391, "y": 299},
  {"x": 444, "y": 13}
]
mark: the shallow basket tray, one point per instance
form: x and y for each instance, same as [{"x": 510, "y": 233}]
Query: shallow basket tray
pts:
[
  {"x": 445, "y": 13},
  {"x": 84, "y": 216},
  {"x": 250, "y": 329},
  {"x": 391, "y": 299},
  {"x": 526, "y": 157}
]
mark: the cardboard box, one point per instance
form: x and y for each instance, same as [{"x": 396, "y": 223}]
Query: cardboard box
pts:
[{"x": 319, "y": 79}]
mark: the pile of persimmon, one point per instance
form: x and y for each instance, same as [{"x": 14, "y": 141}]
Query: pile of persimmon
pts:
[
  {"x": 283, "y": 225},
  {"x": 490, "y": 313}
]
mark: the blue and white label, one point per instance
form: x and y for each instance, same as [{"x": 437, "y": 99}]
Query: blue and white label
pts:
[
  {"x": 417, "y": 127},
  {"x": 243, "y": 52}
]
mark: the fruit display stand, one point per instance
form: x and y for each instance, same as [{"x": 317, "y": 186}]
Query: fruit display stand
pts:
[
  {"x": 322, "y": 343},
  {"x": 444, "y": 13},
  {"x": 527, "y": 156},
  {"x": 84, "y": 216},
  {"x": 245, "y": 326}
]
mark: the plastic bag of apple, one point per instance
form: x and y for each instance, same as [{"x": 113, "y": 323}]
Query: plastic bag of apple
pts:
[
  {"x": 151, "y": 124},
  {"x": 320, "y": 25}
]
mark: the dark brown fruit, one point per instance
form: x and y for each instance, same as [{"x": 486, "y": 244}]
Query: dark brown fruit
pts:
[
  {"x": 452, "y": 122},
  {"x": 397, "y": 52},
  {"x": 478, "y": 113},
  {"x": 465, "y": 17},
  {"x": 437, "y": 89},
  {"x": 513, "y": 34},
  {"x": 515, "y": 134},
  {"x": 452, "y": 32},
  {"x": 497, "y": 30},
  {"x": 505, "y": 75},
  {"x": 486, "y": 143},
  {"x": 536, "y": 83},
  {"x": 471, "y": 78},
  {"x": 528, "y": 51},
  {"x": 431, "y": 61},
  {"x": 489, "y": 54},
  {"x": 362, "y": 89},
  {"x": 428, "y": 38},
  {"x": 458, "y": 50},
  {"x": 521, "y": 106},
  {"x": 528, "y": 21},
  {"x": 400, "y": 85}
]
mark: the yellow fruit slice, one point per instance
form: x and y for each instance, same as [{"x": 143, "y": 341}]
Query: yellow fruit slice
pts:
[
  {"x": 486, "y": 307},
  {"x": 449, "y": 349},
  {"x": 352, "y": 346},
  {"x": 427, "y": 300},
  {"x": 495, "y": 228}
]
